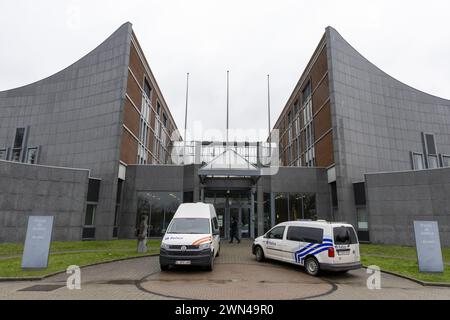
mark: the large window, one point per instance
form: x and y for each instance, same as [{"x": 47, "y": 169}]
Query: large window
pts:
[
  {"x": 160, "y": 208},
  {"x": 295, "y": 206}
]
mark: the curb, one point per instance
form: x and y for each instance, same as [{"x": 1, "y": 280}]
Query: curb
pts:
[
  {"x": 12, "y": 279},
  {"x": 423, "y": 283}
]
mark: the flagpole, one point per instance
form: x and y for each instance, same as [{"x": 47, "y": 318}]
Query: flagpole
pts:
[
  {"x": 228, "y": 105},
  {"x": 186, "y": 116},
  {"x": 268, "y": 114}
]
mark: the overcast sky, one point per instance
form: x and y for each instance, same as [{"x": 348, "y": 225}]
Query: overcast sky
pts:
[{"x": 409, "y": 40}]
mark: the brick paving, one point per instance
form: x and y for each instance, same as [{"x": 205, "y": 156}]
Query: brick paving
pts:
[{"x": 236, "y": 276}]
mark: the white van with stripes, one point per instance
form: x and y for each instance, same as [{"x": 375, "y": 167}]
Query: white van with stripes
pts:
[{"x": 315, "y": 245}]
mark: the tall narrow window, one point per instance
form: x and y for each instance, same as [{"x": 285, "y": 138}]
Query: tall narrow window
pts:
[
  {"x": 430, "y": 143},
  {"x": 158, "y": 108},
  {"x": 18, "y": 142},
  {"x": 307, "y": 113},
  {"x": 147, "y": 89},
  {"x": 306, "y": 94},
  {"x": 418, "y": 161},
  {"x": 32, "y": 154},
  {"x": 2, "y": 154},
  {"x": 432, "y": 162},
  {"x": 90, "y": 215},
  {"x": 445, "y": 161},
  {"x": 430, "y": 151},
  {"x": 363, "y": 220}
]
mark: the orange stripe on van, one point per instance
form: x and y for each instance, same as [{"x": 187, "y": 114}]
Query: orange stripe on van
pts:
[{"x": 201, "y": 240}]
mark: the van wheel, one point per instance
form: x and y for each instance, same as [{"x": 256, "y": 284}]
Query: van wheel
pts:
[
  {"x": 164, "y": 267},
  {"x": 210, "y": 266},
  {"x": 259, "y": 253},
  {"x": 312, "y": 266}
]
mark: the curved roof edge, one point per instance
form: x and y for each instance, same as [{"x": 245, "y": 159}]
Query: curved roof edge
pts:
[
  {"x": 330, "y": 32},
  {"x": 126, "y": 26}
]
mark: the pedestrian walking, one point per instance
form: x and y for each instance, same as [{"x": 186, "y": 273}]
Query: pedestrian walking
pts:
[{"x": 234, "y": 231}]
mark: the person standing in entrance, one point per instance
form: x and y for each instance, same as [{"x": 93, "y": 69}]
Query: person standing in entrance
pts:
[{"x": 234, "y": 231}]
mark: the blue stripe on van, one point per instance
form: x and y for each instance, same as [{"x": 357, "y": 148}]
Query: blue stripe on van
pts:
[
  {"x": 303, "y": 249},
  {"x": 314, "y": 250}
]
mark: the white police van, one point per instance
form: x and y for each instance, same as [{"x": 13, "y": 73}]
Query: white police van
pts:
[
  {"x": 316, "y": 245},
  {"x": 192, "y": 237}
]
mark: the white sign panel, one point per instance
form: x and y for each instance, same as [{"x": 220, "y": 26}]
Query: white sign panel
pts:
[
  {"x": 428, "y": 246},
  {"x": 37, "y": 242}
]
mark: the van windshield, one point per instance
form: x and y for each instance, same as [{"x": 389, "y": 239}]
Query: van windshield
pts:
[
  {"x": 189, "y": 226},
  {"x": 344, "y": 235}
]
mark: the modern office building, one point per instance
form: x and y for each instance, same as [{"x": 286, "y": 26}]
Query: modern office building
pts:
[
  {"x": 348, "y": 116},
  {"x": 94, "y": 145},
  {"x": 102, "y": 113}
]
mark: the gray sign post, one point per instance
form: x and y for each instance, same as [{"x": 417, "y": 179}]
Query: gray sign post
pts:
[
  {"x": 37, "y": 242},
  {"x": 428, "y": 246}
]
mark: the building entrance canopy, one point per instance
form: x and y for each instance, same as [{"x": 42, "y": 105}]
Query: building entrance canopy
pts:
[{"x": 229, "y": 164}]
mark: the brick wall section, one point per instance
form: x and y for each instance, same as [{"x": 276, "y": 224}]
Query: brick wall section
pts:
[
  {"x": 135, "y": 84},
  {"x": 317, "y": 73},
  {"x": 39, "y": 190},
  {"x": 128, "y": 148}
]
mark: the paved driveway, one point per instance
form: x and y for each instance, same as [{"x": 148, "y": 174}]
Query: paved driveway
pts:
[{"x": 236, "y": 276}]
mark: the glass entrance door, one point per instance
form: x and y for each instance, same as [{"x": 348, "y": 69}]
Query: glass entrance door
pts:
[
  {"x": 228, "y": 205},
  {"x": 245, "y": 222},
  {"x": 242, "y": 215}
]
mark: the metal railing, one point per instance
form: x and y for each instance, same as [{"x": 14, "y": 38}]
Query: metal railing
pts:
[{"x": 202, "y": 152}]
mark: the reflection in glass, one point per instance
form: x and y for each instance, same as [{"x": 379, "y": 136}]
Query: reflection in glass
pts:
[
  {"x": 295, "y": 206},
  {"x": 160, "y": 208},
  {"x": 281, "y": 208}
]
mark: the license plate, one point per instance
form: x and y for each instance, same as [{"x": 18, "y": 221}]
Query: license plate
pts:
[
  {"x": 184, "y": 263},
  {"x": 343, "y": 252}
]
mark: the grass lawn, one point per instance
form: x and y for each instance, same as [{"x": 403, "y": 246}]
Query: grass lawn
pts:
[
  {"x": 64, "y": 254},
  {"x": 402, "y": 260}
]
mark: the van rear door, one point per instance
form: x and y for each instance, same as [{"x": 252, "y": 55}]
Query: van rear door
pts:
[{"x": 346, "y": 244}]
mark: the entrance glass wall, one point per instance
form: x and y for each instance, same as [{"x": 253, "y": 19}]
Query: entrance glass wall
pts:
[
  {"x": 229, "y": 204},
  {"x": 160, "y": 208}
]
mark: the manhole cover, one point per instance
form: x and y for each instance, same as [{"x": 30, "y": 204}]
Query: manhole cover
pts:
[{"x": 43, "y": 287}]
